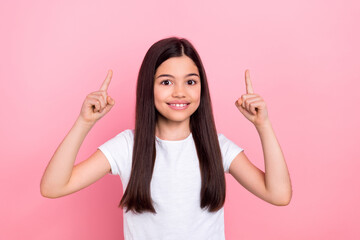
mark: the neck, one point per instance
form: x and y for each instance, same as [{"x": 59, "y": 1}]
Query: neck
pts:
[{"x": 171, "y": 130}]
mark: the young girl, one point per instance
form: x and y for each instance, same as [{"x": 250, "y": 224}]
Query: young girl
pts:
[{"x": 172, "y": 164}]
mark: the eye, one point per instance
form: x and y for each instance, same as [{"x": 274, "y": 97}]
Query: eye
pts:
[
  {"x": 165, "y": 81},
  {"x": 194, "y": 82}
]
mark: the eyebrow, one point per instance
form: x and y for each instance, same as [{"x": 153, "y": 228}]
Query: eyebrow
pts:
[{"x": 168, "y": 75}]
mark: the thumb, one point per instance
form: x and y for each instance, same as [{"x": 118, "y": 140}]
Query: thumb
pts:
[
  {"x": 243, "y": 110},
  {"x": 240, "y": 107},
  {"x": 110, "y": 101},
  {"x": 238, "y": 102}
]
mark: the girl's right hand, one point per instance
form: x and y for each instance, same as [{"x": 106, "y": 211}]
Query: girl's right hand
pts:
[{"x": 98, "y": 103}]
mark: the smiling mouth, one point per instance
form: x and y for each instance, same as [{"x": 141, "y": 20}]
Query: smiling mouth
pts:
[{"x": 178, "y": 104}]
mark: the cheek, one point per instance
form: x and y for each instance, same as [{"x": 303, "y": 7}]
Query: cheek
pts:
[
  {"x": 159, "y": 96},
  {"x": 197, "y": 94}
]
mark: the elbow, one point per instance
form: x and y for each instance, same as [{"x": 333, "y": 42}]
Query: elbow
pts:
[
  {"x": 282, "y": 200},
  {"x": 43, "y": 193},
  {"x": 43, "y": 190},
  {"x": 282, "y": 203},
  {"x": 47, "y": 192}
]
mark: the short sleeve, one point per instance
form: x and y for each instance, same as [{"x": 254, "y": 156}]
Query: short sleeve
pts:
[
  {"x": 229, "y": 150},
  {"x": 117, "y": 151}
]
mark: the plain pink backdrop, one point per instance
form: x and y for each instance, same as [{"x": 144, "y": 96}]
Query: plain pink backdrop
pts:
[{"x": 303, "y": 58}]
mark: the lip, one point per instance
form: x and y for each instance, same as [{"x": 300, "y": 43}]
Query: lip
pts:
[
  {"x": 179, "y": 108},
  {"x": 179, "y": 102}
]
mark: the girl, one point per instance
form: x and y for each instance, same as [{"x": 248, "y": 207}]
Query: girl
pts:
[{"x": 172, "y": 164}]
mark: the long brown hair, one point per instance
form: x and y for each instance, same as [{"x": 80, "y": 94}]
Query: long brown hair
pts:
[{"x": 137, "y": 196}]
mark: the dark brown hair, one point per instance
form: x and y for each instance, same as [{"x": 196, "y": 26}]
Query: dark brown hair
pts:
[{"x": 137, "y": 196}]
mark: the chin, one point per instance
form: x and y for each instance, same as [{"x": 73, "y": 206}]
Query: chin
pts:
[{"x": 177, "y": 119}]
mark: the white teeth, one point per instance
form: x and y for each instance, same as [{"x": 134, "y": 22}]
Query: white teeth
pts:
[{"x": 178, "y": 105}]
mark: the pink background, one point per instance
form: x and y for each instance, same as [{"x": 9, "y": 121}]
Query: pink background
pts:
[{"x": 303, "y": 58}]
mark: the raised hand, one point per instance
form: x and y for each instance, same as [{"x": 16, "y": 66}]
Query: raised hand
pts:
[
  {"x": 251, "y": 105},
  {"x": 97, "y": 104}
]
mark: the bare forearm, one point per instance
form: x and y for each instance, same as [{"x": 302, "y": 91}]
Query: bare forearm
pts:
[
  {"x": 277, "y": 179},
  {"x": 59, "y": 169}
]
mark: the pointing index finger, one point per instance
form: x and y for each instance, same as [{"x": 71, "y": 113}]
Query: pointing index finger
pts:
[
  {"x": 249, "y": 88},
  {"x": 107, "y": 80}
]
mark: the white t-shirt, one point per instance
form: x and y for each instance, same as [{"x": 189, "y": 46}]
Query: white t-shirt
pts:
[{"x": 175, "y": 189}]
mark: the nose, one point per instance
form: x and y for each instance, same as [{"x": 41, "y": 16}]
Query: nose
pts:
[{"x": 178, "y": 91}]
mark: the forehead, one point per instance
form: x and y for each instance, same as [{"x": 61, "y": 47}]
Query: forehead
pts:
[{"x": 177, "y": 66}]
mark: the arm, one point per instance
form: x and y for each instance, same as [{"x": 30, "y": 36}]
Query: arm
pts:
[
  {"x": 273, "y": 186},
  {"x": 59, "y": 169},
  {"x": 56, "y": 182},
  {"x": 60, "y": 177},
  {"x": 277, "y": 179}
]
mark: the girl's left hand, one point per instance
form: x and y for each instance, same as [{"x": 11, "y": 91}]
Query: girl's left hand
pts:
[{"x": 251, "y": 105}]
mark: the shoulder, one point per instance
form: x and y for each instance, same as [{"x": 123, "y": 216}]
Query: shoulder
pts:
[
  {"x": 227, "y": 146},
  {"x": 125, "y": 137},
  {"x": 127, "y": 134},
  {"x": 229, "y": 150},
  {"x": 222, "y": 139},
  {"x": 220, "y": 135}
]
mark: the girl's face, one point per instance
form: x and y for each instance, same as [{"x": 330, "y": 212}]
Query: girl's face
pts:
[{"x": 177, "y": 89}]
